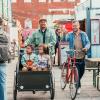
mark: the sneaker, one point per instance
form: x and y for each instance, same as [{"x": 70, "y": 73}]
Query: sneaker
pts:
[{"x": 79, "y": 91}]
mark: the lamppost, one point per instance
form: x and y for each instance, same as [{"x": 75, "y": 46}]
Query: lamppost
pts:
[{"x": 88, "y": 23}]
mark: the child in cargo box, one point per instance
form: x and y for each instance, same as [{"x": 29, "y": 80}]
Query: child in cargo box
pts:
[
  {"x": 43, "y": 58},
  {"x": 29, "y": 59}
]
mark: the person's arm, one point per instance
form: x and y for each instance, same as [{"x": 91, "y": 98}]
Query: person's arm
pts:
[
  {"x": 23, "y": 61},
  {"x": 52, "y": 38},
  {"x": 49, "y": 60},
  {"x": 35, "y": 59},
  {"x": 67, "y": 37},
  {"x": 30, "y": 39},
  {"x": 87, "y": 46}
]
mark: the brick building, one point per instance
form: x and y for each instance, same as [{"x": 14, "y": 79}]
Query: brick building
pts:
[{"x": 28, "y": 12}]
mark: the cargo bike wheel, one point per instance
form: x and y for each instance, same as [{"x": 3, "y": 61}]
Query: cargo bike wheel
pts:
[
  {"x": 52, "y": 89},
  {"x": 15, "y": 88}
]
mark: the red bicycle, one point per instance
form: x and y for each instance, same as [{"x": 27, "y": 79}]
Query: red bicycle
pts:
[{"x": 69, "y": 74}]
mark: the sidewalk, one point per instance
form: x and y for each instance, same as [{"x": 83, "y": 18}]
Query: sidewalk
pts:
[{"x": 88, "y": 92}]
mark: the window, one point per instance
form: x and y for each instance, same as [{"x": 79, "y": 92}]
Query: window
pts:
[
  {"x": 27, "y": 1},
  {"x": 49, "y": 1},
  {"x": 28, "y": 23},
  {"x": 95, "y": 38},
  {"x": 13, "y": 1},
  {"x": 95, "y": 32},
  {"x": 42, "y": 0},
  {"x": 57, "y": 0},
  {"x": 71, "y": 0}
]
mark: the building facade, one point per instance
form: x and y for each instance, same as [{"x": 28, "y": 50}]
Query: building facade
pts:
[
  {"x": 5, "y": 9},
  {"x": 28, "y": 12}
]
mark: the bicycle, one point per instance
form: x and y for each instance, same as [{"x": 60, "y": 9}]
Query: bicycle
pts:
[{"x": 69, "y": 74}]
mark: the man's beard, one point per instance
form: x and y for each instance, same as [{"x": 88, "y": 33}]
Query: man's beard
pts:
[{"x": 75, "y": 30}]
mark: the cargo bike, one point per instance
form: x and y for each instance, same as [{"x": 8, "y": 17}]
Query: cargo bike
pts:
[{"x": 32, "y": 81}]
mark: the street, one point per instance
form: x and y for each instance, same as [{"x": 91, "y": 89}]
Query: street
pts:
[
  {"x": 88, "y": 92},
  {"x": 61, "y": 28}
]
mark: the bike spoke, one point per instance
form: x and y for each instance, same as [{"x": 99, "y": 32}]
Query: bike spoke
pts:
[
  {"x": 63, "y": 77},
  {"x": 74, "y": 84}
]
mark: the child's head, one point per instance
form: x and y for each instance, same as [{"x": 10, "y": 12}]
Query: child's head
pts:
[
  {"x": 43, "y": 49},
  {"x": 29, "y": 49}
]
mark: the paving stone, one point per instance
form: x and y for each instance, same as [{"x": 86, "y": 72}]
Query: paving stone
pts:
[{"x": 88, "y": 92}]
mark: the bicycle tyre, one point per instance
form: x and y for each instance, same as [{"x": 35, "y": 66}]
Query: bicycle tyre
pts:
[
  {"x": 15, "y": 89},
  {"x": 73, "y": 84},
  {"x": 52, "y": 90},
  {"x": 63, "y": 76}
]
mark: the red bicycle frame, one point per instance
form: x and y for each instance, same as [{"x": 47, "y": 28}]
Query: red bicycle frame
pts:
[{"x": 71, "y": 73}]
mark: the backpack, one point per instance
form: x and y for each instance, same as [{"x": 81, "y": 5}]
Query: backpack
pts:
[{"x": 4, "y": 48}]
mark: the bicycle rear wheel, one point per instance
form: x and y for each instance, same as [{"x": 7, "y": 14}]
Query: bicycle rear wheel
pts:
[
  {"x": 63, "y": 76},
  {"x": 73, "y": 84}
]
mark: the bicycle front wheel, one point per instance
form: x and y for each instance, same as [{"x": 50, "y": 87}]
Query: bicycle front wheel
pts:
[
  {"x": 63, "y": 76},
  {"x": 73, "y": 84}
]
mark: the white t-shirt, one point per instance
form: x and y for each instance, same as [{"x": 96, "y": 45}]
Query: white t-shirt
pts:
[{"x": 43, "y": 61}]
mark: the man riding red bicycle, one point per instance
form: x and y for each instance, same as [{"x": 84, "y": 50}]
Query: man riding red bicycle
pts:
[{"x": 78, "y": 40}]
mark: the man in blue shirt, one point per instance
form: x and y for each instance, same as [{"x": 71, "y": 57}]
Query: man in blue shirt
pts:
[{"x": 78, "y": 40}]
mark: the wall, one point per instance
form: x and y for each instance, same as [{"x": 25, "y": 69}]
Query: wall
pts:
[{"x": 35, "y": 10}]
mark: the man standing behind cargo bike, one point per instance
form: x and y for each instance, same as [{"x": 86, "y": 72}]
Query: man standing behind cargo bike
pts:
[
  {"x": 44, "y": 36},
  {"x": 78, "y": 40}
]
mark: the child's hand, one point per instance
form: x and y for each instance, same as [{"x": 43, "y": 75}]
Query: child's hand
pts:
[
  {"x": 34, "y": 65},
  {"x": 25, "y": 65},
  {"x": 30, "y": 67}
]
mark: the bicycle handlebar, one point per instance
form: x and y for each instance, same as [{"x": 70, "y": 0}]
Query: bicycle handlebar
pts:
[{"x": 73, "y": 52}]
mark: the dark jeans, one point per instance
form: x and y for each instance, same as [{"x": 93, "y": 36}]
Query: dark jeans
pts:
[
  {"x": 3, "y": 93},
  {"x": 81, "y": 69}
]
